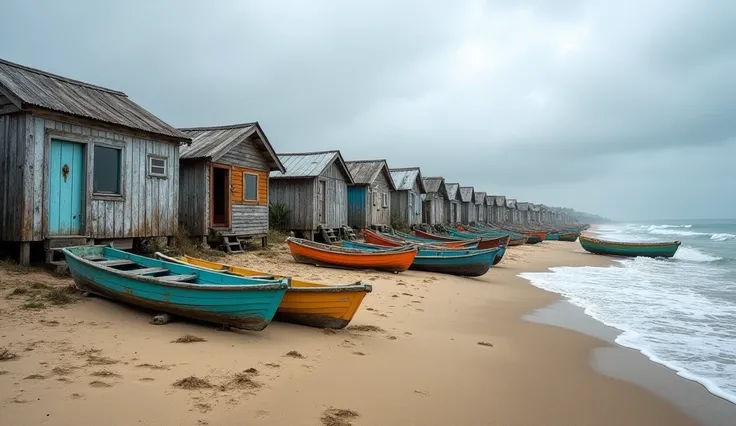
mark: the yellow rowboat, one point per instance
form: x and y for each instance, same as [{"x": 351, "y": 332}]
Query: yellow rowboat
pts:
[{"x": 305, "y": 303}]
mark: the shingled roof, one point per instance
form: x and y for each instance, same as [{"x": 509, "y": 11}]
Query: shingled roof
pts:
[
  {"x": 480, "y": 198},
  {"x": 452, "y": 191},
  {"x": 404, "y": 179},
  {"x": 309, "y": 164},
  {"x": 364, "y": 172},
  {"x": 434, "y": 184},
  {"x": 214, "y": 142},
  {"x": 28, "y": 87}
]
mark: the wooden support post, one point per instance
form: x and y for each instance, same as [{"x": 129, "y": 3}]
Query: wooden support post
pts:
[
  {"x": 25, "y": 253},
  {"x": 264, "y": 242},
  {"x": 170, "y": 241}
]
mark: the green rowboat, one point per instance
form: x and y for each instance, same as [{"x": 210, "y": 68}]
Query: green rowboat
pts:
[{"x": 629, "y": 249}]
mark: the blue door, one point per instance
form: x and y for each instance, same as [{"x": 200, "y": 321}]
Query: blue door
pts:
[{"x": 66, "y": 188}]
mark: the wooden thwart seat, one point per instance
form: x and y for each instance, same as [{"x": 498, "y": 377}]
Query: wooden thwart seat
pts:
[
  {"x": 147, "y": 271},
  {"x": 117, "y": 262},
  {"x": 184, "y": 277}
]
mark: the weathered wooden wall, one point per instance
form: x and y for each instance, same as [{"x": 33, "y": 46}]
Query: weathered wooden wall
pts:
[
  {"x": 407, "y": 205},
  {"x": 248, "y": 218},
  {"x": 435, "y": 206},
  {"x": 449, "y": 209},
  {"x": 194, "y": 196},
  {"x": 482, "y": 212},
  {"x": 16, "y": 168},
  {"x": 468, "y": 213},
  {"x": 336, "y": 198},
  {"x": 381, "y": 215},
  {"x": 299, "y": 196},
  {"x": 148, "y": 206}
]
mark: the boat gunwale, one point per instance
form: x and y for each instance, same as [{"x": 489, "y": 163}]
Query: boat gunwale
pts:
[
  {"x": 282, "y": 284},
  {"x": 474, "y": 252},
  {"x": 323, "y": 288},
  {"x": 628, "y": 245},
  {"x": 324, "y": 248}
]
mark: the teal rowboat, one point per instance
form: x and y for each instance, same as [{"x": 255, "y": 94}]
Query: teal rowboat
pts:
[
  {"x": 467, "y": 263},
  {"x": 181, "y": 290},
  {"x": 569, "y": 236},
  {"x": 629, "y": 249}
]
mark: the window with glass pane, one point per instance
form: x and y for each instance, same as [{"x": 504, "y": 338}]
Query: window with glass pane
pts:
[
  {"x": 157, "y": 166},
  {"x": 107, "y": 170},
  {"x": 250, "y": 189}
]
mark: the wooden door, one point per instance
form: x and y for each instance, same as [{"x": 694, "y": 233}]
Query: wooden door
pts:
[
  {"x": 220, "y": 196},
  {"x": 322, "y": 201},
  {"x": 67, "y": 174}
]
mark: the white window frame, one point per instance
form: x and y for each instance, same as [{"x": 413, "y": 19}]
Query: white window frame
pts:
[
  {"x": 373, "y": 196},
  {"x": 245, "y": 187},
  {"x": 384, "y": 200},
  {"x": 151, "y": 173}
]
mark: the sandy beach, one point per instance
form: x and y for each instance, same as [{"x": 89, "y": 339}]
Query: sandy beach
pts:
[{"x": 425, "y": 349}]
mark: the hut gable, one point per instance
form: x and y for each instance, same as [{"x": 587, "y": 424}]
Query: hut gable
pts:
[
  {"x": 467, "y": 194},
  {"x": 405, "y": 179},
  {"x": 452, "y": 190},
  {"x": 521, "y": 206},
  {"x": 214, "y": 143},
  {"x": 436, "y": 185},
  {"x": 480, "y": 198},
  {"x": 490, "y": 200},
  {"x": 365, "y": 172},
  {"x": 310, "y": 165},
  {"x": 28, "y": 88},
  {"x": 510, "y": 203}
]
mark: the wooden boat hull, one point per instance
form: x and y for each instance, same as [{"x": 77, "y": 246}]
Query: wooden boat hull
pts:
[
  {"x": 485, "y": 242},
  {"x": 612, "y": 248},
  {"x": 552, "y": 237},
  {"x": 440, "y": 241},
  {"x": 305, "y": 303},
  {"x": 451, "y": 242},
  {"x": 468, "y": 263},
  {"x": 572, "y": 236},
  {"x": 239, "y": 302},
  {"x": 396, "y": 260},
  {"x": 518, "y": 241}
]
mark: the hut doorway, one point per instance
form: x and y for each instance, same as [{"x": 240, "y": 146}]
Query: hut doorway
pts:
[
  {"x": 67, "y": 175},
  {"x": 220, "y": 196}
]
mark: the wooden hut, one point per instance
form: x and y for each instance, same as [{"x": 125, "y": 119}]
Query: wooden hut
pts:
[
  {"x": 433, "y": 204},
  {"x": 512, "y": 214},
  {"x": 534, "y": 213},
  {"x": 406, "y": 200},
  {"x": 369, "y": 197},
  {"x": 480, "y": 207},
  {"x": 453, "y": 205},
  {"x": 223, "y": 183},
  {"x": 314, "y": 188},
  {"x": 523, "y": 209},
  {"x": 468, "y": 211},
  {"x": 81, "y": 164}
]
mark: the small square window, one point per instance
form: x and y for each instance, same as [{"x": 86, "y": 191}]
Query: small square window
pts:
[
  {"x": 106, "y": 173},
  {"x": 157, "y": 166},
  {"x": 250, "y": 187}
]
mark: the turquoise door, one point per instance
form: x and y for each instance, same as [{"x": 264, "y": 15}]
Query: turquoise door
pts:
[{"x": 66, "y": 188}]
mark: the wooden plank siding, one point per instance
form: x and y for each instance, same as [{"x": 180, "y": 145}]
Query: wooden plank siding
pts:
[
  {"x": 194, "y": 196},
  {"x": 434, "y": 209},
  {"x": 13, "y": 177},
  {"x": 336, "y": 211},
  {"x": 380, "y": 214},
  {"x": 299, "y": 196},
  {"x": 148, "y": 205}
]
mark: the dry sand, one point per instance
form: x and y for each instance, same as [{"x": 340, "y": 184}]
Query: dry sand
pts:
[{"x": 425, "y": 349}]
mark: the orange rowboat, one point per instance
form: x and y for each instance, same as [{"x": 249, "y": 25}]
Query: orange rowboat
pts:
[
  {"x": 388, "y": 241},
  {"x": 305, "y": 303},
  {"x": 393, "y": 260}
]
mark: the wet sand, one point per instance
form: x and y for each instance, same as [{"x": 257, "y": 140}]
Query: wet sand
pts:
[{"x": 425, "y": 349}]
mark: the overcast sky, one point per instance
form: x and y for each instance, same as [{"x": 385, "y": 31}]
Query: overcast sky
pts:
[{"x": 622, "y": 108}]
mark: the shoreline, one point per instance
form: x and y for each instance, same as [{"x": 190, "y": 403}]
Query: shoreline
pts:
[{"x": 428, "y": 349}]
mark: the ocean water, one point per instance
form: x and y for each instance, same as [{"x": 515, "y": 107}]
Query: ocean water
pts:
[{"x": 679, "y": 312}]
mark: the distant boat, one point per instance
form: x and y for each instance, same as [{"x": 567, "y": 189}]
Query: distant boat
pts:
[
  {"x": 569, "y": 236},
  {"x": 305, "y": 303},
  {"x": 663, "y": 249},
  {"x": 468, "y": 263},
  {"x": 181, "y": 290},
  {"x": 393, "y": 260},
  {"x": 398, "y": 239}
]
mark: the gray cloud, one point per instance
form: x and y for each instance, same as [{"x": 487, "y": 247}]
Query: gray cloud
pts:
[{"x": 574, "y": 103}]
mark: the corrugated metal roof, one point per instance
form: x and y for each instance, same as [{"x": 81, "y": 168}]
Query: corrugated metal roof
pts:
[
  {"x": 499, "y": 200},
  {"x": 511, "y": 203},
  {"x": 404, "y": 179},
  {"x": 32, "y": 87},
  {"x": 309, "y": 164},
  {"x": 522, "y": 206},
  {"x": 467, "y": 194},
  {"x": 480, "y": 198},
  {"x": 452, "y": 191},
  {"x": 366, "y": 171},
  {"x": 490, "y": 200},
  {"x": 214, "y": 142},
  {"x": 434, "y": 184}
]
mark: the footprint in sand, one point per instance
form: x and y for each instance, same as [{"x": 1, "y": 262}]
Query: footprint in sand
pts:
[
  {"x": 34, "y": 377},
  {"x": 76, "y": 396},
  {"x": 294, "y": 354},
  {"x": 358, "y": 353},
  {"x": 338, "y": 417},
  {"x": 146, "y": 379},
  {"x": 419, "y": 309},
  {"x": 392, "y": 337},
  {"x": 100, "y": 384},
  {"x": 273, "y": 365}
]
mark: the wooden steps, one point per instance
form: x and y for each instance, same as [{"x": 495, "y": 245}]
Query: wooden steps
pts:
[
  {"x": 348, "y": 233},
  {"x": 328, "y": 234}
]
